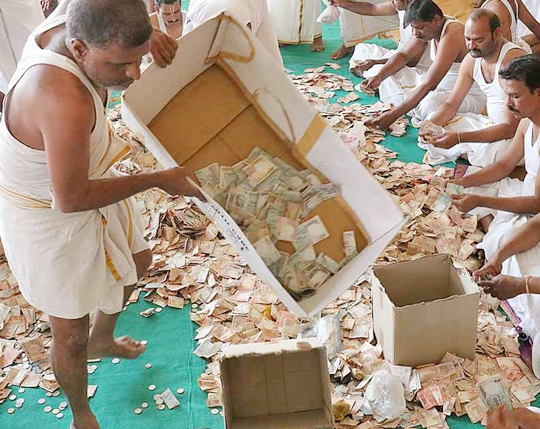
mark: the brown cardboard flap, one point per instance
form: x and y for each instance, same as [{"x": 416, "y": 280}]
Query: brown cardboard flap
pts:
[
  {"x": 428, "y": 279},
  {"x": 276, "y": 385},
  {"x": 315, "y": 419}
]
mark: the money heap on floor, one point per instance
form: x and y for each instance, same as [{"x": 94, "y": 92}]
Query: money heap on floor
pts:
[
  {"x": 271, "y": 201},
  {"x": 231, "y": 305}
]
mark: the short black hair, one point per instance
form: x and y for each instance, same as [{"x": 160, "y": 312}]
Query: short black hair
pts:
[
  {"x": 526, "y": 69},
  {"x": 102, "y": 22},
  {"x": 423, "y": 10},
  {"x": 494, "y": 21},
  {"x": 160, "y": 2}
]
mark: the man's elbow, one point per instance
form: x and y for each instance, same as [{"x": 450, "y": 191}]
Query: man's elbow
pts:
[{"x": 68, "y": 203}]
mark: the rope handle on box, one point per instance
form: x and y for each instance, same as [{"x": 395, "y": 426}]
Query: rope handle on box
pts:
[
  {"x": 231, "y": 55},
  {"x": 256, "y": 94}
]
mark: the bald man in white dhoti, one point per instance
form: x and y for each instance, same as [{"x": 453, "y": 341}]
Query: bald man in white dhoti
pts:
[
  {"x": 18, "y": 18},
  {"x": 295, "y": 22},
  {"x": 251, "y": 13}
]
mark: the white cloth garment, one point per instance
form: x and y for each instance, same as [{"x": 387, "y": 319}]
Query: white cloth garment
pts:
[
  {"x": 514, "y": 24},
  {"x": 356, "y": 28},
  {"x": 294, "y": 21},
  {"x": 247, "y": 12},
  {"x": 534, "y": 8},
  {"x": 505, "y": 223},
  {"x": 370, "y": 51},
  {"x": 66, "y": 264},
  {"x": 18, "y": 18},
  {"x": 479, "y": 154},
  {"x": 396, "y": 88}
]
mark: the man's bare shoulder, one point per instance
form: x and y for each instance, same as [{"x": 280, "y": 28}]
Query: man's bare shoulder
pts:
[
  {"x": 512, "y": 54},
  {"x": 454, "y": 29},
  {"x": 58, "y": 89}
]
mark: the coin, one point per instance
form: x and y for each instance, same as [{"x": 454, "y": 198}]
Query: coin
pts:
[
  {"x": 19, "y": 403},
  {"x": 137, "y": 410},
  {"x": 159, "y": 401},
  {"x": 158, "y": 309},
  {"x": 63, "y": 405},
  {"x": 41, "y": 401},
  {"x": 161, "y": 407},
  {"x": 59, "y": 415},
  {"x": 11, "y": 410},
  {"x": 144, "y": 405},
  {"x": 55, "y": 411},
  {"x": 48, "y": 394},
  {"x": 148, "y": 366},
  {"x": 47, "y": 409},
  {"x": 12, "y": 397},
  {"x": 22, "y": 390},
  {"x": 214, "y": 411},
  {"x": 152, "y": 387},
  {"x": 180, "y": 391},
  {"x": 115, "y": 361},
  {"x": 144, "y": 342},
  {"x": 56, "y": 393}
]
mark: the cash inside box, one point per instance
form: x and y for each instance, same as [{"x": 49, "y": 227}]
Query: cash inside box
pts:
[{"x": 215, "y": 122}]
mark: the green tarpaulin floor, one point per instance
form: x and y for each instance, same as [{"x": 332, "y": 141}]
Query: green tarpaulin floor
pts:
[{"x": 124, "y": 386}]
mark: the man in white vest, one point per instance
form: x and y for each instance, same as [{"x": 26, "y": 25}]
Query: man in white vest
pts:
[{"x": 482, "y": 139}]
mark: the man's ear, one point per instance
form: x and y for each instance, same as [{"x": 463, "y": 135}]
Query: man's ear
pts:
[
  {"x": 79, "y": 49},
  {"x": 497, "y": 34}
]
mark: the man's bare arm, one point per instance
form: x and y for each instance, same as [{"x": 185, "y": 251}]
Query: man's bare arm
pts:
[
  {"x": 449, "y": 49},
  {"x": 502, "y": 168},
  {"x": 366, "y": 8},
  {"x": 66, "y": 142}
]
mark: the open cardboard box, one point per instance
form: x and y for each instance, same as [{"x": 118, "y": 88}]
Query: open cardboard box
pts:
[
  {"x": 223, "y": 96},
  {"x": 281, "y": 385},
  {"x": 423, "y": 309}
]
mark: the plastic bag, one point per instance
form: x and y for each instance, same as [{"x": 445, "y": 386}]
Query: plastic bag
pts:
[
  {"x": 330, "y": 14},
  {"x": 386, "y": 396}
]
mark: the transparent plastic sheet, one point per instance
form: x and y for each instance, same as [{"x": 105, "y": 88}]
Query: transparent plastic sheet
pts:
[
  {"x": 386, "y": 396},
  {"x": 329, "y": 15}
]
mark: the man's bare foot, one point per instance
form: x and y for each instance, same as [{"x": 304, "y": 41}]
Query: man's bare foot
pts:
[
  {"x": 342, "y": 52},
  {"x": 122, "y": 347},
  {"x": 317, "y": 45},
  {"x": 85, "y": 421}
]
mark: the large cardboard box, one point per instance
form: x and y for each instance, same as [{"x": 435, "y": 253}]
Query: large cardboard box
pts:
[
  {"x": 423, "y": 309},
  {"x": 223, "y": 96},
  {"x": 281, "y": 385}
]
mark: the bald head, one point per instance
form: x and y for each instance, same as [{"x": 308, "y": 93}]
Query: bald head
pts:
[
  {"x": 484, "y": 16},
  {"x": 102, "y": 22},
  {"x": 483, "y": 34}
]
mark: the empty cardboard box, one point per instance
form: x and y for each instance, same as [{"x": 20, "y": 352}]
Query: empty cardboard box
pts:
[
  {"x": 423, "y": 309},
  {"x": 283, "y": 385},
  {"x": 224, "y": 95}
]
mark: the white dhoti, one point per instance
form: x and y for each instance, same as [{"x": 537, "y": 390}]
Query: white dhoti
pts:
[
  {"x": 18, "y": 18},
  {"x": 66, "y": 264},
  {"x": 479, "y": 154},
  {"x": 252, "y": 13},
  {"x": 294, "y": 21},
  {"x": 356, "y": 28},
  {"x": 527, "y": 306}
]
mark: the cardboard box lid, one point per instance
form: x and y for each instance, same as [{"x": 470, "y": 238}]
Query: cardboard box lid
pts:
[
  {"x": 276, "y": 385},
  {"x": 220, "y": 42}
]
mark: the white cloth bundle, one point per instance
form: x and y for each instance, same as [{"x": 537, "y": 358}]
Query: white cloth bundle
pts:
[{"x": 330, "y": 14}]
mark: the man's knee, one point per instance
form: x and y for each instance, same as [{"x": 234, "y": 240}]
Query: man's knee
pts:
[
  {"x": 70, "y": 333},
  {"x": 143, "y": 260}
]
